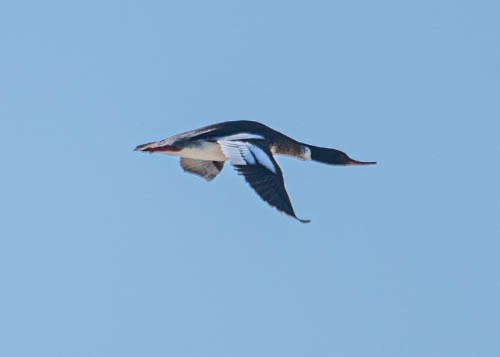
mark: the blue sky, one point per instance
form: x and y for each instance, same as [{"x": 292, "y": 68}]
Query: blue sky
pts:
[{"x": 110, "y": 252}]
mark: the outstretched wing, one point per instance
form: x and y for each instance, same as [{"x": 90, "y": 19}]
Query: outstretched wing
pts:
[
  {"x": 256, "y": 163},
  {"x": 206, "y": 169}
]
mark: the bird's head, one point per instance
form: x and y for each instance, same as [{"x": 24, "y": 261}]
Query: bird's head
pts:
[{"x": 334, "y": 157}]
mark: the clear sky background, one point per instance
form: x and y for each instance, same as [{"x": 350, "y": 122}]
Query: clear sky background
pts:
[{"x": 109, "y": 252}]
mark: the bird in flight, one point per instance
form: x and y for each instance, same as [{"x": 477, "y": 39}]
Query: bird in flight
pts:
[{"x": 250, "y": 147}]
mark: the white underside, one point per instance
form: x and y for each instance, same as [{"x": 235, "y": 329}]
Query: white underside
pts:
[{"x": 206, "y": 151}]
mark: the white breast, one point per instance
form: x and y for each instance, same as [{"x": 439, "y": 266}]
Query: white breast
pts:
[{"x": 306, "y": 154}]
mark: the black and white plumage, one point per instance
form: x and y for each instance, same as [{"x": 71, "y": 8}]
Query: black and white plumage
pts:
[
  {"x": 250, "y": 147},
  {"x": 254, "y": 161}
]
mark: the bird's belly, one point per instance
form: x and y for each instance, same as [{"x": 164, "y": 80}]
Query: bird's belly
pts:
[{"x": 201, "y": 151}]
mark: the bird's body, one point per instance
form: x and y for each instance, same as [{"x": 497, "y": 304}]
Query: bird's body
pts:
[
  {"x": 249, "y": 146},
  {"x": 201, "y": 144}
]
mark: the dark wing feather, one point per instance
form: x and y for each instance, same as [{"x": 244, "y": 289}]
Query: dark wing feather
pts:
[{"x": 269, "y": 185}]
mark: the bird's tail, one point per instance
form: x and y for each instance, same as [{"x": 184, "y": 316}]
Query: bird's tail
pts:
[{"x": 156, "y": 146}]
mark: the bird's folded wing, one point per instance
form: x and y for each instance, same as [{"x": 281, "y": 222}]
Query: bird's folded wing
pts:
[{"x": 256, "y": 163}]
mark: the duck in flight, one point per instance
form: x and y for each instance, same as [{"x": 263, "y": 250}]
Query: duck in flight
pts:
[{"x": 250, "y": 147}]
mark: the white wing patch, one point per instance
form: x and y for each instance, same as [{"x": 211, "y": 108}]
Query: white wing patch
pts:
[
  {"x": 244, "y": 153},
  {"x": 241, "y": 136},
  {"x": 237, "y": 152},
  {"x": 263, "y": 158}
]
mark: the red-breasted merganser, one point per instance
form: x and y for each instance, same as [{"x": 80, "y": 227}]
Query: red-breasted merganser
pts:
[{"x": 250, "y": 147}]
